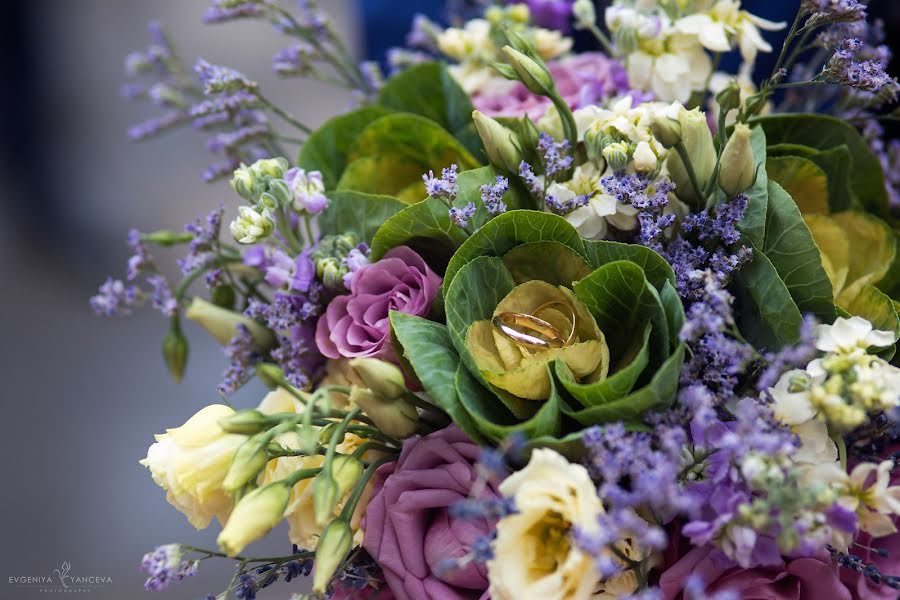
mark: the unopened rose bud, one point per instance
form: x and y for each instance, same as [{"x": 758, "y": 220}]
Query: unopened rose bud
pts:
[
  {"x": 175, "y": 352},
  {"x": 532, "y": 74},
  {"x": 501, "y": 144},
  {"x": 737, "y": 169},
  {"x": 245, "y": 422},
  {"x": 667, "y": 131},
  {"x": 397, "y": 418},
  {"x": 381, "y": 377},
  {"x": 254, "y": 516},
  {"x": 222, "y": 323},
  {"x": 251, "y": 457},
  {"x": 333, "y": 546}
]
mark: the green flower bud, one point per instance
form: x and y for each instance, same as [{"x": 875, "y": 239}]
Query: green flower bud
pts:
[
  {"x": 251, "y": 225},
  {"x": 243, "y": 181},
  {"x": 501, "y": 144},
  {"x": 729, "y": 98},
  {"x": 532, "y": 74},
  {"x": 585, "y": 14},
  {"x": 754, "y": 104},
  {"x": 245, "y": 422},
  {"x": 175, "y": 351},
  {"x": 617, "y": 155},
  {"x": 332, "y": 274},
  {"x": 271, "y": 375},
  {"x": 334, "y": 544},
  {"x": 326, "y": 495},
  {"x": 224, "y": 296},
  {"x": 381, "y": 377},
  {"x": 222, "y": 324},
  {"x": 254, "y": 516},
  {"x": 595, "y": 141},
  {"x": 397, "y": 418},
  {"x": 282, "y": 193},
  {"x": 273, "y": 167},
  {"x": 667, "y": 131},
  {"x": 737, "y": 170},
  {"x": 267, "y": 202},
  {"x": 167, "y": 238},
  {"x": 518, "y": 13},
  {"x": 698, "y": 141},
  {"x": 251, "y": 457}
]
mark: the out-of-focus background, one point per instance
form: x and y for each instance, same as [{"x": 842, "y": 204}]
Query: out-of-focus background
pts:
[{"x": 81, "y": 396}]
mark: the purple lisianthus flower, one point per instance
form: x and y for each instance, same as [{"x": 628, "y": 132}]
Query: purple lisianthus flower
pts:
[
  {"x": 552, "y": 14},
  {"x": 357, "y": 324},
  {"x": 409, "y": 529},
  {"x": 582, "y": 80}
]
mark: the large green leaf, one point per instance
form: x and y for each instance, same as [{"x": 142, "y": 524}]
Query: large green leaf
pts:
[
  {"x": 469, "y": 184},
  {"x": 356, "y": 212},
  {"x": 657, "y": 395},
  {"x": 753, "y": 225},
  {"x": 428, "y": 349},
  {"x": 824, "y": 133},
  {"x": 835, "y": 162},
  {"x": 768, "y": 316},
  {"x": 795, "y": 256},
  {"x": 504, "y": 232},
  {"x": 657, "y": 270},
  {"x": 552, "y": 262},
  {"x": 327, "y": 148},
  {"x": 425, "y": 227},
  {"x": 388, "y": 174},
  {"x": 803, "y": 180}
]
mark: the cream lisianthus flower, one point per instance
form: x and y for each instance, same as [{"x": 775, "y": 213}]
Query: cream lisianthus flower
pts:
[
  {"x": 551, "y": 43},
  {"x": 725, "y": 24},
  {"x": 190, "y": 462},
  {"x": 672, "y": 69},
  {"x": 300, "y": 514},
  {"x": 850, "y": 336},
  {"x": 472, "y": 42},
  {"x": 534, "y": 555}
]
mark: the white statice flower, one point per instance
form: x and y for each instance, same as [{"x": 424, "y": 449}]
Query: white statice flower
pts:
[
  {"x": 534, "y": 554},
  {"x": 723, "y": 25}
]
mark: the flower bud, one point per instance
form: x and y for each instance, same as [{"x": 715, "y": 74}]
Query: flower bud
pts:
[
  {"x": 616, "y": 155},
  {"x": 501, "y": 144},
  {"x": 245, "y": 422},
  {"x": 251, "y": 457},
  {"x": 273, "y": 167},
  {"x": 585, "y": 14},
  {"x": 254, "y": 516},
  {"x": 175, "y": 352},
  {"x": 667, "y": 131},
  {"x": 167, "y": 238},
  {"x": 334, "y": 544},
  {"x": 729, "y": 98},
  {"x": 251, "y": 225},
  {"x": 397, "y": 418},
  {"x": 381, "y": 377},
  {"x": 519, "y": 13},
  {"x": 532, "y": 74},
  {"x": 698, "y": 142},
  {"x": 222, "y": 323},
  {"x": 243, "y": 181},
  {"x": 737, "y": 170},
  {"x": 279, "y": 189},
  {"x": 755, "y": 104},
  {"x": 325, "y": 497},
  {"x": 645, "y": 159},
  {"x": 224, "y": 296},
  {"x": 595, "y": 141},
  {"x": 271, "y": 375}
]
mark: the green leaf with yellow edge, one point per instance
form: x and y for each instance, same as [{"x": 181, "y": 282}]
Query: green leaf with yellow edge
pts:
[
  {"x": 872, "y": 250},
  {"x": 835, "y": 162},
  {"x": 619, "y": 383},
  {"x": 656, "y": 395},
  {"x": 504, "y": 232},
  {"x": 834, "y": 246},
  {"x": 356, "y": 212},
  {"x": 800, "y": 177},
  {"x": 425, "y": 227},
  {"x": 497, "y": 423},
  {"x": 327, "y": 147},
  {"x": 790, "y": 247},
  {"x": 552, "y": 262},
  {"x": 428, "y": 349}
]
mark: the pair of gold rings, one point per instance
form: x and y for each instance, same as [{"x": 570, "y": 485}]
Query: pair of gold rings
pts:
[{"x": 533, "y": 332}]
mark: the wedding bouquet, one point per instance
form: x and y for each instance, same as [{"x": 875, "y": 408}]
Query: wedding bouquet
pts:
[{"x": 541, "y": 322}]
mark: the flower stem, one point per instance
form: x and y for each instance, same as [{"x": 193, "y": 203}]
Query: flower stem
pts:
[{"x": 689, "y": 167}]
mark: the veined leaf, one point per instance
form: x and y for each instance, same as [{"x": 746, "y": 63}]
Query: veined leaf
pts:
[{"x": 356, "y": 212}]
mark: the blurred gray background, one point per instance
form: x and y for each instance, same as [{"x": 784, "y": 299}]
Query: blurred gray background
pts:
[{"x": 83, "y": 396}]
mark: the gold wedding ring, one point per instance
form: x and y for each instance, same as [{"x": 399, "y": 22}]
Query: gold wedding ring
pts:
[{"x": 532, "y": 332}]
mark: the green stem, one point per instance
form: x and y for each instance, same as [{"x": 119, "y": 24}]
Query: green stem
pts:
[
  {"x": 353, "y": 500},
  {"x": 601, "y": 37},
  {"x": 366, "y": 446},
  {"x": 336, "y": 437},
  {"x": 310, "y": 236},
  {"x": 182, "y": 288},
  {"x": 284, "y": 226},
  {"x": 246, "y": 559},
  {"x": 689, "y": 167},
  {"x": 284, "y": 114}
]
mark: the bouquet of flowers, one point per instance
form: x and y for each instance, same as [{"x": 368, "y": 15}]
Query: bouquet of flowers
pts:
[{"x": 541, "y": 322}]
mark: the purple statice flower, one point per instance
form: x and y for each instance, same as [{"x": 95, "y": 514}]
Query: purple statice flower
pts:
[
  {"x": 223, "y": 11},
  {"x": 460, "y": 216},
  {"x": 246, "y": 588},
  {"x": 833, "y": 11},
  {"x": 844, "y": 68},
  {"x": 242, "y": 354},
  {"x": 423, "y": 34},
  {"x": 294, "y": 60},
  {"x": 555, "y": 156},
  {"x": 791, "y": 357},
  {"x": 161, "y": 295},
  {"x": 201, "y": 250},
  {"x": 116, "y": 298},
  {"x": 221, "y": 109},
  {"x": 717, "y": 359},
  {"x": 889, "y": 156},
  {"x": 564, "y": 207},
  {"x": 632, "y": 190},
  {"x": 157, "y": 125},
  {"x": 165, "y": 566},
  {"x": 445, "y": 188},
  {"x": 372, "y": 76},
  {"x": 488, "y": 507},
  {"x": 140, "y": 260},
  {"x": 552, "y": 14},
  {"x": 492, "y": 195},
  {"x": 218, "y": 170},
  {"x": 217, "y": 79},
  {"x": 399, "y": 59},
  {"x": 534, "y": 184},
  {"x": 229, "y": 141}
]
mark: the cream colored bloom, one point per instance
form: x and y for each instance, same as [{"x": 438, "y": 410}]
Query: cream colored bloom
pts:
[
  {"x": 724, "y": 25},
  {"x": 534, "y": 556},
  {"x": 551, "y": 43},
  {"x": 470, "y": 42},
  {"x": 851, "y": 335},
  {"x": 190, "y": 462},
  {"x": 672, "y": 70},
  {"x": 867, "y": 491}
]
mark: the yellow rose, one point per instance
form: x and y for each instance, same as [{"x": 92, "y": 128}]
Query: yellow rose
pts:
[
  {"x": 523, "y": 372},
  {"x": 190, "y": 462},
  {"x": 534, "y": 555}
]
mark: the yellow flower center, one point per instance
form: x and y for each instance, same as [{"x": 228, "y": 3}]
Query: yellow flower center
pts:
[{"x": 548, "y": 540}]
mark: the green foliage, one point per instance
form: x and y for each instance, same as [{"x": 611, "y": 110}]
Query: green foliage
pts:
[{"x": 356, "y": 212}]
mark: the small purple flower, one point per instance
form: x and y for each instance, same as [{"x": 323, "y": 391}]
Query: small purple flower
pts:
[
  {"x": 165, "y": 566},
  {"x": 492, "y": 195},
  {"x": 294, "y": 60},
  {"x": 843, "y": 68},
  {"x": 161, "y": 295},
  {"x": 444, "y": 188},
  {"x": 217, "y": 79},
  {"x": 309, "y": 190},
  {"x": 157, "y": 125},
  {"x": 116, "y": 298},
  {"x": 217, "y": 13},
  {"x": 201, "y": 250},
  {"x": 460, "y": 216},
  {"x": 555, "y": 155},
  {"x": 241, "y": 353}
]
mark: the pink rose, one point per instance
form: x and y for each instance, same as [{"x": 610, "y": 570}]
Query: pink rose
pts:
[
  {"x": 357, "y": 324},
  {"x": 798, "y": 579},
  {"x": 582, "y": 80},
  {"x": 408, "y": 529}
]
